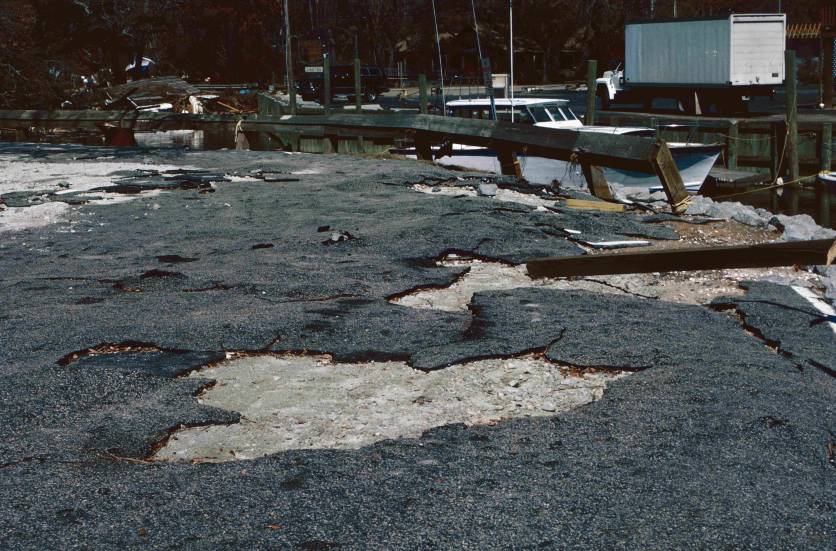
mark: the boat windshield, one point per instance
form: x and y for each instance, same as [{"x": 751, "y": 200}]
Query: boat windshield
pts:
[
  {"x": 548, "y": 112},
  {"x": 540, "y": 113}
]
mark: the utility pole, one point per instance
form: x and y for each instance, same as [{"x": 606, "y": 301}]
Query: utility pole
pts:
[{"x": 674, "y": 9}]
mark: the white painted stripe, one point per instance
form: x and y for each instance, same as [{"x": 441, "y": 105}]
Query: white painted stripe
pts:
[
  {"x": 817, "y": 303},
  {"x": 616, "y": 244}
]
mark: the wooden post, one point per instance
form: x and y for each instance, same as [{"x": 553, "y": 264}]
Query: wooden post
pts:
[
  {"x": 509, "y": 163},
  {"x": 791, "y": 191},
  {"x": 422, "y": 147},
  {"x": 826, "y": 146},
  {"x": 665, "y": 168},
  {"x": 358, "y": 85},
  {"x": 827, "y": 39},
  {"x": 596, "y": 182},
  {"x": 591, "y": 73},
  {"x": 777, "y": 135},
  {"x": 326, "y": 82},
  {"x": 731, "y": 146},
  {"x": 823, "y": 187},
  {"x": 422, "y": 94}
]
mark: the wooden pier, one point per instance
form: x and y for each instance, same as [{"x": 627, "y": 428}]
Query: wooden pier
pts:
[{"x": 590, "y": 151}]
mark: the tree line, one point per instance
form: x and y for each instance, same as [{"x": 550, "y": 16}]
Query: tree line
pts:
[{"x": 50, "y": 46}]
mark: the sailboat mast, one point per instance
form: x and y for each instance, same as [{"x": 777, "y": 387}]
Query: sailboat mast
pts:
[
  {"x": 511, "y": 50},
  {"x": 440, "y": 64}
]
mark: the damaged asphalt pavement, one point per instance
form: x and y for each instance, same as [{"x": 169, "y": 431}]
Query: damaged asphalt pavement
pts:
[{"x": 119, "y": 296}]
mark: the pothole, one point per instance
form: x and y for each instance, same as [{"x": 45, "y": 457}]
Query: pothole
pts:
[{"x": 292, "y": 402}]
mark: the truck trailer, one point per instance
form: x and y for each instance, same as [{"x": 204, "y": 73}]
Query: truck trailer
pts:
[{"x": 720, "y": 62}]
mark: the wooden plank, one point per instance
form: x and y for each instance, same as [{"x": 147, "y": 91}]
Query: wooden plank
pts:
[
  {"x": 595, "y": 181},
  {"x": 583, "y": 204},
  {"x": 698, "y": 258},
  {"x": 668, "y": 174}
]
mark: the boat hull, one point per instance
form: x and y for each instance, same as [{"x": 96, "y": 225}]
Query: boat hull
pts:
[{"x": 693, "y": 161}]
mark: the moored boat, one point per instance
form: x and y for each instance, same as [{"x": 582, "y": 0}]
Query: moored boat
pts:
[{"x": 694, "y": 160}]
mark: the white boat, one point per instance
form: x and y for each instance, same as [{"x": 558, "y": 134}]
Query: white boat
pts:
[{"x": 694, "y": 160}]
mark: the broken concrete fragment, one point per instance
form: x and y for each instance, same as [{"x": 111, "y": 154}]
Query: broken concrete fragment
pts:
[
  {"x": 801, "y": 227},
  {"x": 486, "y": 190}
]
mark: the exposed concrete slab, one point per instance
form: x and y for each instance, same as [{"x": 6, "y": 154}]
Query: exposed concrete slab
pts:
[{"x": 308, "y": 402}]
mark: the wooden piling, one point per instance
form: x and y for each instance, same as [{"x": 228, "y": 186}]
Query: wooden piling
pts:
[
  {"x": 791, "y": 191},
  {"x": 358, "y": 85},
  {"x": 823, "y": 187},
  {"x": 423, "y": 150},
  {"x": 731, "y": 146},
  {"x": 423, "y": 98},
  {"x": 591, "y": 74},
  {"x": 777, "y": 134},
  {"x": 595, "y": 181},
  {"x": 827, "y": 38},
  {"x": 326, "y": 82}
]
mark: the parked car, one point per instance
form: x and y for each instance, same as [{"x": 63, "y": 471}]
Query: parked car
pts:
[{"x": 372, "y": 82}]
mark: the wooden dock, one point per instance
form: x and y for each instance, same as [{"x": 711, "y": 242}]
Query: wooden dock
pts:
[{"x": 591, "y": 151}]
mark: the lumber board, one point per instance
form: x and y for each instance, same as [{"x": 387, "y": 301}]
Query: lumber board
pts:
[
  {"x": 668, "y": 174},
  {"x": 583, "y": 204},
  {"x": 697, "y": 258}
]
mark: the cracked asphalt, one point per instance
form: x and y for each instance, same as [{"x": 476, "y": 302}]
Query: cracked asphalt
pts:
[{"x": 716, "y": 440}]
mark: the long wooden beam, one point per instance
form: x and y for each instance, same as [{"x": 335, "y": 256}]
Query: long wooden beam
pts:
[
  {"x": 589, "y": 149},
  {"x": 820, "y": 252},
  {"x": 626, "y": 152}
]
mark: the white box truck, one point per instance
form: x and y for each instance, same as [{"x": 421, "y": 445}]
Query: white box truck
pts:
[{"x": 720, "y": 62}]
